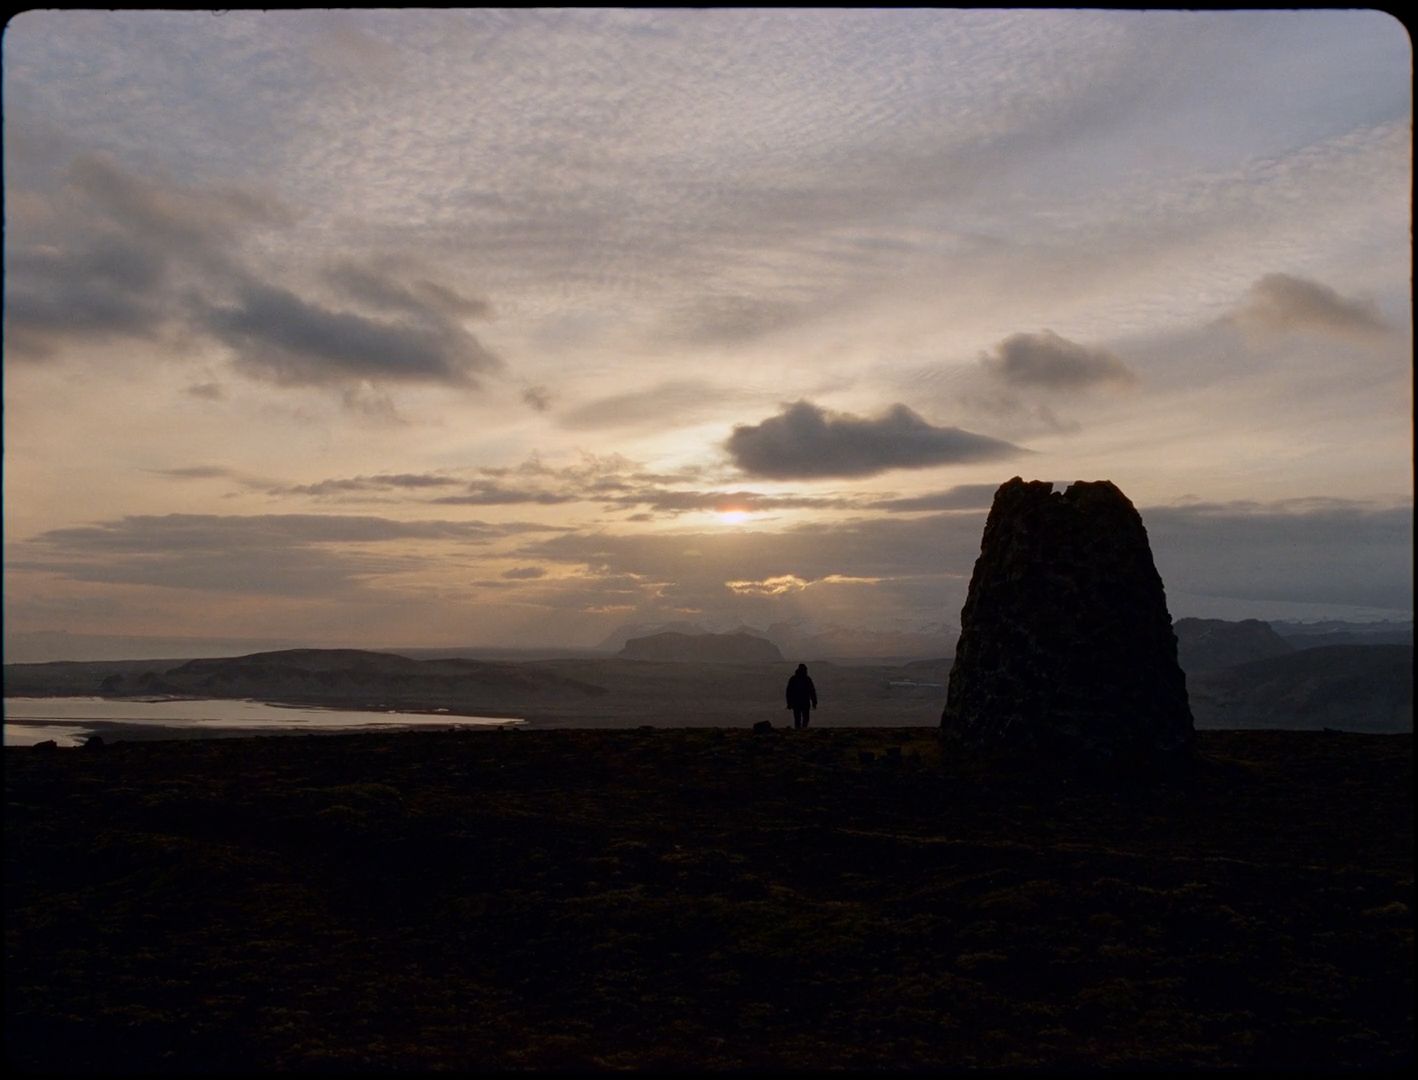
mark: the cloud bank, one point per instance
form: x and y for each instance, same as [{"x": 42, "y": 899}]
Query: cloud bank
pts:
[
  {"x": 1051, "y": 362},
  {"x": 127, "y": 256},
  {"x": 1282, "y": 303},
  {"x": 805, "y": 441}
]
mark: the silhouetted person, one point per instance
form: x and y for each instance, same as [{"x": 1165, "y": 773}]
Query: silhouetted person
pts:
[{"x": 802, "y": 696}]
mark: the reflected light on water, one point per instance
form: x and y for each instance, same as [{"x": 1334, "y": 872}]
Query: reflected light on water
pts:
[{"x": 68, "y": 721}]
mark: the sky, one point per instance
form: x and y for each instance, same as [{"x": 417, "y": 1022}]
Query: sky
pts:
[{"x": 447, "y": 328}]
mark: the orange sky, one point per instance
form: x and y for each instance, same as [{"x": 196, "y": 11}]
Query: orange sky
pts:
[{"x": 444, "y": 328}]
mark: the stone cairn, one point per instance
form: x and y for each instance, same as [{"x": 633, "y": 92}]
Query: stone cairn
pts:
[{"x": 1066, "y": 644}]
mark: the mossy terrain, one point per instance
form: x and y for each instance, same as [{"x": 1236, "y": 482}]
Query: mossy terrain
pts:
[{"x": 703, "y": 899}]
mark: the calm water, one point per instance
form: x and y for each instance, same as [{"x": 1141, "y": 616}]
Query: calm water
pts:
[{"x": 67, "y": 720}]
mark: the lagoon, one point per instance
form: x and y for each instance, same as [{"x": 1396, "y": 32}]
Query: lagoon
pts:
[{"x": 70, "y": 720}]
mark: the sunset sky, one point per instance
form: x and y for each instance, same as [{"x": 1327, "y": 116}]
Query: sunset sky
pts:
[{"x": 382, "y": 328}]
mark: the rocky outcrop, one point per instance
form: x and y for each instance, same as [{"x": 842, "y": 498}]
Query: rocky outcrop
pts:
[
  {"x": 1206, "y": 645},
  {"x": 1066, "y": 643},
  {"x": 703, "y": 648}
]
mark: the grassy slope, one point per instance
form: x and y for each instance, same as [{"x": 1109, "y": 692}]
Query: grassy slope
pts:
[{"x": 705, "y": 899}]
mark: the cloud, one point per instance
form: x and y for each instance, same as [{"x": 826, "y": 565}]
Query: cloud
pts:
[
  {"x": 538, "y": 397},
  {"x": 120, "y": 255},
  {"x": 665, "y": 501},
  {"x": 381, "y": 289},
  {"x": 774, "y": 586},
  {"x": 524, "y": 573},
  {"x": 207, "y": 391},
  {"x": 790, "y": 583},
  {"x": 197, "y": 472},
  {"x": 805, "y": 441},
  {"x": 378, "y": 483},
  {"x": 491, "y": 493},
  {"x": 115, "y": 255},
  {"x": 919, "y": 567},
  {"x": 1021, "y": 415},
  {"x": 734, "y": 320},
  {"x": 668, "y": 404},
  {"x": 1051, "y": 362},
  {"x": 141, "y": 533},
  {"x": 292, "y": 341},
  {"x": 309, "y": 555},
  {"x": 1300, "y": 551},
  {"x": 1281, "y": 303},
  {"x": 98, "y": 287},
  {"x": 960, "y": 497},
  {"x": 1322, "y": 551}
]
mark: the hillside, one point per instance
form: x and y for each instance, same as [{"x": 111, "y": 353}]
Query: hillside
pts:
[
  {"x": 703, "y": 900},
  {"x": 347, "y": 677},
  {"x": 1349, "y": 687}
]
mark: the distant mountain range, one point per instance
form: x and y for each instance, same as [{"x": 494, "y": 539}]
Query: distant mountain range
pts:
[
  {"x": 799, "y": 642},
  {"x": 1309, "y": 635},
  {"x": 1205, "y": 645},
  {"x": 1239, "y": 675},
  {"x": 738, "y": 648}
]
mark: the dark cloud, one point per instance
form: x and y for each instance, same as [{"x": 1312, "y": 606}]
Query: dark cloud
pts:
[
  {"x": 196, "y": 224},
  {"x": 121, "y": 256},
  {"x": 378, "y": 483},
  {"x": 383, "y": 290},
  {"x": 538, "y": 397},
  {"x": 124, "y": 255},
  {"x": 207, "y": 391},
  {"x": 96, "y": 288},
  {"x": 805, "y": 441},
  {"x": 524, "y": 573},
  {"x": 197, "y": 472},
  {"x": 1051, "y": 362},
  {"x": 1280, "y": 303},
  {"x": 329, "y": 556},
  {"x": 278, "y": 335},
  {"x": 156, "y": 532}
]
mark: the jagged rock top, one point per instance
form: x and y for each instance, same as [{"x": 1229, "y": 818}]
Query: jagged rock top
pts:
[{"x": 1066, "y": 641}]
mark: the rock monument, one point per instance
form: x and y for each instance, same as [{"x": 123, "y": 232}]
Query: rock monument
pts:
[{"x": 1066, "y": 644}]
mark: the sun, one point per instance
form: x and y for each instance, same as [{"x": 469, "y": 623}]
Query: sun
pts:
[{"x": 732, "y": 517}]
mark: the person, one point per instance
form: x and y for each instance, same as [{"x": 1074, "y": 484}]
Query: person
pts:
[{"x": 802, "y": 696}]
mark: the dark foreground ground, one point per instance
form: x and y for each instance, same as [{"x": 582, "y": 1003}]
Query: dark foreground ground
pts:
[{"x": 702, "y": 899}]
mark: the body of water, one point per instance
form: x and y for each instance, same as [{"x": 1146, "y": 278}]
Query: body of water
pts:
[{"x": 69, "y": 720}]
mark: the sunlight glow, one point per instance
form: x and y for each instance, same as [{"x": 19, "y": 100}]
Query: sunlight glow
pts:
[{"x": 733, "y": 517}]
